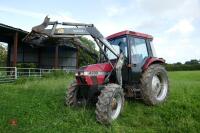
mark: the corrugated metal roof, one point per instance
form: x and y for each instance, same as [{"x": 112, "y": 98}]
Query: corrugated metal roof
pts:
[{"x": 13, "y": 28}]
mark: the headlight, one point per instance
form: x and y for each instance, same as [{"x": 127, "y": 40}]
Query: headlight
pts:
[{"x": 81, "y": 73}]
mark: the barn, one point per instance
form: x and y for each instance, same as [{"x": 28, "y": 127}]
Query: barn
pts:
[{"x": 57, "y": 55}]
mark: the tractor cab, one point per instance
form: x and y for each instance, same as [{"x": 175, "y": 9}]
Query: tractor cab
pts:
[
  {"x": 124, "y": 40},
  {"x": 137, "y": 49}
]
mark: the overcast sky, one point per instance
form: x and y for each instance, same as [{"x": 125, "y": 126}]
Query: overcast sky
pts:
[{"x": 175, "y": 24}]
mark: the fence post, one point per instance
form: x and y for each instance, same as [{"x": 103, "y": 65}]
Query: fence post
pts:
[
  {"x": 29, "y": 72},
  {"x": 40, "y": 72},
  {"x": 15, "y": 72}
]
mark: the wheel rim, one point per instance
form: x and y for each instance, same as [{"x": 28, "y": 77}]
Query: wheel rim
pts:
[
  {"x": 160, "y": 86},
  {"x": 116, "y": 106}
]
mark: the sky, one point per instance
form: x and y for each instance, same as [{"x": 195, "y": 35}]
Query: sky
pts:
[{"x": 174, "y": 24}]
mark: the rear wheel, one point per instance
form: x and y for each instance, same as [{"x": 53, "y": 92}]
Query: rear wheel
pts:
[
  {"x": 155, "y": 85},
  {"x": 110, "y": 103}
]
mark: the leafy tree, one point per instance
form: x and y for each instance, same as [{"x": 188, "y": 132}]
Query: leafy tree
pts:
[
  {"x": 194, "y": 61},
  {"x": 88, "y": 56},
  {"x": 3, "y": 55},
  {"x": 90, "y": 44},
  {"x": 178, "y": 63}
]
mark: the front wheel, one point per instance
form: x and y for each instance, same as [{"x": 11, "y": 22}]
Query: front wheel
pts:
[
  {"x": 110, "y": 103},
  {"x": 155, "y": 85},
  {"x": 71, "y": 95}
]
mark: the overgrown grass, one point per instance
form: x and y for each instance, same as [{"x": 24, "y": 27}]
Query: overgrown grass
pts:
[{"x": 37, "y": 105}]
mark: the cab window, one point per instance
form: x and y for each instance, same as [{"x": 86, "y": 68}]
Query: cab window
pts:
[
  {"x": 119, "y": 45},
  {"x": 138, "y": 50}
]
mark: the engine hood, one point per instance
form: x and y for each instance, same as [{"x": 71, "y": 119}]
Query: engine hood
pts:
[
  {"x": 101, "y": 67},
  {"x": 93, "y": 74}
]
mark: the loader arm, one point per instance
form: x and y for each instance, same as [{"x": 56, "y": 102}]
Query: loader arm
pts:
[
  {"x": 71, "y": 30},
  {"x": 40, "y": 33}
]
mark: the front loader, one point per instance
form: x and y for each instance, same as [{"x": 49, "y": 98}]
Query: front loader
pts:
[{"x": 127, "y": 67}]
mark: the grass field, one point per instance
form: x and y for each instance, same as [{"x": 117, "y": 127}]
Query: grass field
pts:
[{"x": 37, "y": 106}]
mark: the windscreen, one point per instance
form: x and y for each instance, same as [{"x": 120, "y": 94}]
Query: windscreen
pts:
[
  {"x": 119, "y": 45},
  {"x": 153, "y": 49}
]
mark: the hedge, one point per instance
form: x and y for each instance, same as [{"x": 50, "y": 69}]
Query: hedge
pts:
[{"x": 182, "y": 67}]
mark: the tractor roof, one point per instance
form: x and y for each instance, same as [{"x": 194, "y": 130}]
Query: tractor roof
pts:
[{"x": 132, "y": 33}]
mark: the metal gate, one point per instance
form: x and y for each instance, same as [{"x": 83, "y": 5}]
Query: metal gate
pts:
[{"x": 8, "y": 74}]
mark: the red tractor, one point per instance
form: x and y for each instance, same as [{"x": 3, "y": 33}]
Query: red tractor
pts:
[{"x": 127, "y": 67}]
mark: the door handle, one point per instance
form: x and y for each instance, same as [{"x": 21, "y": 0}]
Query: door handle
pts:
[{"x": 134, "y": 65}]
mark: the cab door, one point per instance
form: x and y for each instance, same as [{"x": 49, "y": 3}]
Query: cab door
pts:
[{"x": 138, "y": 54}]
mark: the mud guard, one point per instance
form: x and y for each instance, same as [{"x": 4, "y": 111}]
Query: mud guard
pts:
[{"x": 152, "y": 60}]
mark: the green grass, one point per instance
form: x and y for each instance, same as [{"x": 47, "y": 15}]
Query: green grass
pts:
[{"x": 37, "y": 105}]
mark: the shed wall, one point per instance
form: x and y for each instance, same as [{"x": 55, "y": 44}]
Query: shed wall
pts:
[{"x": 44, "y": 57}]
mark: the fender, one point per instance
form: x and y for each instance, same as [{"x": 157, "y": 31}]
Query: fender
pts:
[{"x": 152, "y": 60}]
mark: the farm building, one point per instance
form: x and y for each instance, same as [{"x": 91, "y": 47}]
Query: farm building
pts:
[{"x": 52, "y": 55}]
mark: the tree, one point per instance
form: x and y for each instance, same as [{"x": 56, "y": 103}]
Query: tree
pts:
[
  {"x": 178, "y": 63},
  {"x": 85, "y": 57},
  {"x": 192, "y": 62},
  {"x": 3, "y": 54}
]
